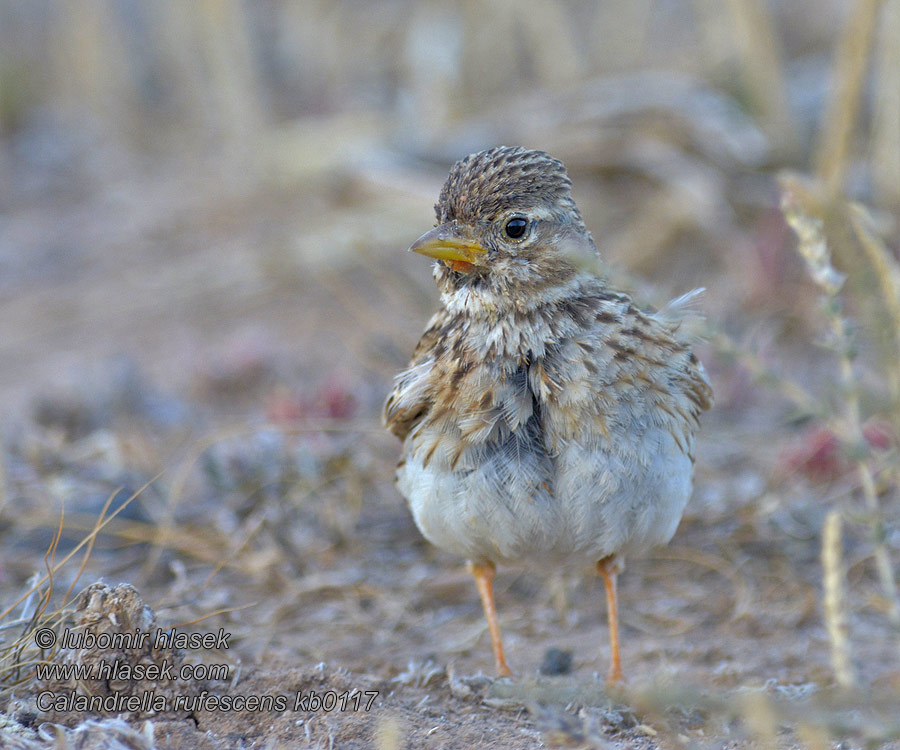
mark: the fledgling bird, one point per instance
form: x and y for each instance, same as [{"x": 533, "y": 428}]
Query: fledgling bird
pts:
[{"x": 545, "y": 419}]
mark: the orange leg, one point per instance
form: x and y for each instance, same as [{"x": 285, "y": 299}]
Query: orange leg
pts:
[
  {"x": 484, "y": 579},
  {"x": 609, "y": 569}
]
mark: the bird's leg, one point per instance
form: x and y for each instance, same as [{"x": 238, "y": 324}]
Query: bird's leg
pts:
[
  {"x": 484, "y": 579},
  {"x": 609, "y": 567}
]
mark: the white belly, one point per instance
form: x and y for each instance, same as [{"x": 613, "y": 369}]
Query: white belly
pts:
[{"x": 618, "y": 499}]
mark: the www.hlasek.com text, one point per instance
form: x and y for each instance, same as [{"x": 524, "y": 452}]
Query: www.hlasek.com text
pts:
[{"x": 119, "y": 670}]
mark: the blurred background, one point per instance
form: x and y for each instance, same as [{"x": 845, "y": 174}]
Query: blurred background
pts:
[
  {"x": 176, "y": 173},
  {"x": 204, "y": 212}
]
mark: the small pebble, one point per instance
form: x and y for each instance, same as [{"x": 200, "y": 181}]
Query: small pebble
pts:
[{"x": 556, "y": 661}]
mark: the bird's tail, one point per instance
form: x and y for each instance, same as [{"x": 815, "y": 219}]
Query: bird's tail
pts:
[{"x": 684, "y": 312}]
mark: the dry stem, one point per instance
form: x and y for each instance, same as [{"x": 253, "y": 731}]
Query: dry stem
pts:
[
  {"x": 848, "y": 78},
  {"x": 835, "y": 604},
  {"x": 813, "y": 247}
]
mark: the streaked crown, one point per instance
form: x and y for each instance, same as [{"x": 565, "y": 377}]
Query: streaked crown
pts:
[{"x": 482, "y": 186}]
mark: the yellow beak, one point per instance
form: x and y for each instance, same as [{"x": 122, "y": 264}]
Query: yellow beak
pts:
[{"x": 446, "y": 242}]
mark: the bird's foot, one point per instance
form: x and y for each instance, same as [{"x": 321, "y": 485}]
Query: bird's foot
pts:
[{"x": 615, "y": 678}]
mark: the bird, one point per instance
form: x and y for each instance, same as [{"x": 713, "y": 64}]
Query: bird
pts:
[{"x": 546, "y": 421}]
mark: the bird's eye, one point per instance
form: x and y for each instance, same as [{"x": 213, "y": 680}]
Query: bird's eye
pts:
[{"x": 515, "y": 228}]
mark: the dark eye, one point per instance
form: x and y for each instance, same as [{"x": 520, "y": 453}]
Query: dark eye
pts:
[{"x": 515, "y": 228}]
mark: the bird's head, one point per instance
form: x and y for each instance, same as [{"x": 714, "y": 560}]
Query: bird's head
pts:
[{"x": 506, "y": 220}]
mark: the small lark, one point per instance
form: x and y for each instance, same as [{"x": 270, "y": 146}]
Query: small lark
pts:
[{"x": 545, "y": 419}]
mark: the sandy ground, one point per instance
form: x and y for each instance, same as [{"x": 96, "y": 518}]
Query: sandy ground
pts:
[{"x": 208, "y": 332}]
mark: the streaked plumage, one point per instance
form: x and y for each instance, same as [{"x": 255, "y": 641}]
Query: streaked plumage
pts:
[{"x": 545, "y": 419}]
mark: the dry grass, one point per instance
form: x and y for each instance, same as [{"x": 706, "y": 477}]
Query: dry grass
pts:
[
  {"x": 847, "y": 420},
  {"x": 32, "y": 610},
  {"x": 304, "y": 147}
]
